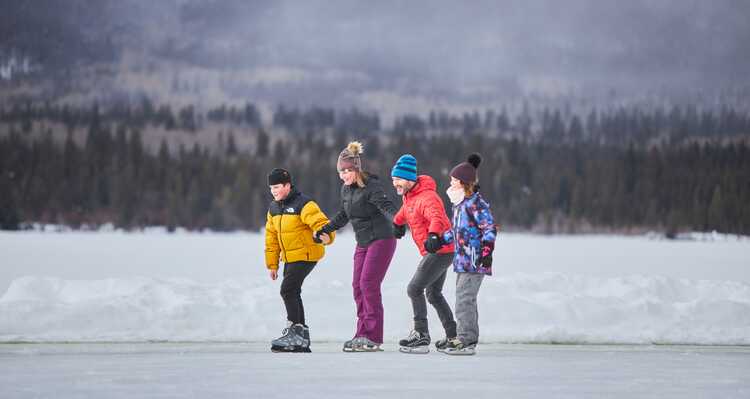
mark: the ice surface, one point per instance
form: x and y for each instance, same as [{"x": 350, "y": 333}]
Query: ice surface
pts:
[{"x": 251, "y": 371}]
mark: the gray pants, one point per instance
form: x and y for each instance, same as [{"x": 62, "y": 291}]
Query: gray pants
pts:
[
  {"x": 430, "y": 275},
  {"x": 467, "y": 288}
]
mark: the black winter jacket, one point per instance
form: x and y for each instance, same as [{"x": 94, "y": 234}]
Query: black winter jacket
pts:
[{"x": 368, "y": 208}]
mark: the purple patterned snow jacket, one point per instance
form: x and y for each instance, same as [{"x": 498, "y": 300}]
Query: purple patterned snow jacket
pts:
[{"x": 474, "y": 232}]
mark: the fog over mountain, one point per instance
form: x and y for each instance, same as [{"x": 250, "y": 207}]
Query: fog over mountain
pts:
[{"x": 407, "y": 55}]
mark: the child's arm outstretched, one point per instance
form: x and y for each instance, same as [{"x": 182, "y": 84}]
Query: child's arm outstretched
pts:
[{"x": 312, "y": 216}]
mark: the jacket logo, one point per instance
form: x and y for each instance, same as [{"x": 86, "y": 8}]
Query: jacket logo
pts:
[{"x": 289, "y": 210}]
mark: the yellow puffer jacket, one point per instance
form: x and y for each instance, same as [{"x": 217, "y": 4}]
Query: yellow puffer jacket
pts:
[{"x": 289, "y": 230}]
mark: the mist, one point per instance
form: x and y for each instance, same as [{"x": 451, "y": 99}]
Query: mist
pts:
[{"x": 407, "y": 55}]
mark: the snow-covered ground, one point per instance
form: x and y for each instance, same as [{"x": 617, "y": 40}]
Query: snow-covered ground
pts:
[
  {"x": 250, "y": 371},
  {"x": 155, "y": 286}
]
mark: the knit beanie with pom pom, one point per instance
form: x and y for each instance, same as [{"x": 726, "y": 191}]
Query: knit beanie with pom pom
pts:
[
  {"x": 350, "y": 158},
  {"x": 467, "y": 171}
]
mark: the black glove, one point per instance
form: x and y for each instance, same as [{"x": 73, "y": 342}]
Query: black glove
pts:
[
  {"x": 433, "y": 243},
  {"x": 399, "y": 230},
  {"x": 316, "y": 237},
  {"x": 327, "y": 229},
  {"x": 486, "y": 259}
]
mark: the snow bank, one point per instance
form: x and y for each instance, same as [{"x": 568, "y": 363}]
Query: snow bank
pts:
[
  {"x": 116, "y": 286},
  {"x": 556, "y": 308},
  {"x": 533, "y": 308}
]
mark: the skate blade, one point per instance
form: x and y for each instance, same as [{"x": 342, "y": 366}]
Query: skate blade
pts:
[
  {"x": 415, "y": 351},
  {"x": 460, "y": 352},
  {"x": 375, "y": 349},
  {"x": 283, "y": 349}
]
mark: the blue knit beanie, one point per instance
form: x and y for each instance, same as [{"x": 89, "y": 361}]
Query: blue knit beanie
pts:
[{"x": 405, "y": 168}]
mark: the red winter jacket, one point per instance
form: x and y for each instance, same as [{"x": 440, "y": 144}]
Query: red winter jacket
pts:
[{"x": 424, "y": 212}]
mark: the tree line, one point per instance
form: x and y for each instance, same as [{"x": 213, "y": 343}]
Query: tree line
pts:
[
  {"x": 615, "y": 125},
  {"x": 616, "y": 170}
]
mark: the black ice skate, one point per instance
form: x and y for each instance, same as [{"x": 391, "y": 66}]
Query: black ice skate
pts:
[{"x": 416, "y": 342}]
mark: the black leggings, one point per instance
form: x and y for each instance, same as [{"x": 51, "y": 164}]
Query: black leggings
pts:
[{"x": 291, "y": 289}]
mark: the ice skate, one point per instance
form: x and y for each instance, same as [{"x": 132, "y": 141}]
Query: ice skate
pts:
[
  {"x": 442, "y": 343},
  {"x": 366, "y": 345},
  {"x": 349, "y": 345},
  {"x": 416, "y": 342},
  {"x": 457, "y": 348},
  {"x": 295, "y": 338}
]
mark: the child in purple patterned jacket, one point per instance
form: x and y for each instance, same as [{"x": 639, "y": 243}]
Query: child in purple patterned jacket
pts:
[{"x": 473, "y": 234}]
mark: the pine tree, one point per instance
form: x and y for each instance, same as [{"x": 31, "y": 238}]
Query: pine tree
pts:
[
  {"x": 262, "y": 144},
  {"x": 716, "y": 218}
]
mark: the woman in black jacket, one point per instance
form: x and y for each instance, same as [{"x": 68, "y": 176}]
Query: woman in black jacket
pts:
[{"x": 365, "y": 205}]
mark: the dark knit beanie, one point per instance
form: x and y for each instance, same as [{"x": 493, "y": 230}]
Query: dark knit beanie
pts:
[
  {"x": 279, "y": 176},
  {"x": 467, "y": 171}
]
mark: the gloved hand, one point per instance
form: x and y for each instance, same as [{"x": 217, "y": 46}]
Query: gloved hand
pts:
[
  {"x": 399, "y": 230},
  {"x": 486, "y": 259},
  {"x": 433, "y": 243},
  {"x": 327, "y": 229},
  {"x": 316, "y": 237},
  {"x": 322, "y": 237}
]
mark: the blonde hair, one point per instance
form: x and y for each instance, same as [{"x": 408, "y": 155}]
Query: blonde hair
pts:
[{"x": 361, "y": 177}]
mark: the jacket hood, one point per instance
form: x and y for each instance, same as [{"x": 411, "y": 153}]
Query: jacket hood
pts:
[{"x": 424, "y": 183}]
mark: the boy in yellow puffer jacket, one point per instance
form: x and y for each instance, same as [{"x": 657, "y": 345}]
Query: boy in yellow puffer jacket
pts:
[{"x": 291, "y": 220}]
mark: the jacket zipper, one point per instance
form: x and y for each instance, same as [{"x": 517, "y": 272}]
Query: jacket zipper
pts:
[
  {"x": 456, "y": 225},
  {"x": 281, "y": 242}
]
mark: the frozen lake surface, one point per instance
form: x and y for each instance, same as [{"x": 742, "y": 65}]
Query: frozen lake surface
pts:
[{"x": 249, "y": 370}]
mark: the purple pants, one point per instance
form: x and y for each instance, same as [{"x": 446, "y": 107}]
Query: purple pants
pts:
[{"x": 370, "y": 265}]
